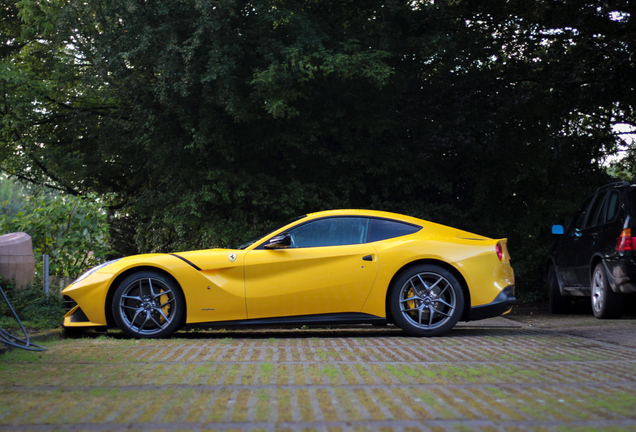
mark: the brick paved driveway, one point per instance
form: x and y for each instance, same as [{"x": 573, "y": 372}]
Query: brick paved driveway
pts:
[{"x": 501, "y": 374}]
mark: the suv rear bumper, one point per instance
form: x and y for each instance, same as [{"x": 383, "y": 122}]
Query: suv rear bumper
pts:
[{"x": 621, "y": 274}]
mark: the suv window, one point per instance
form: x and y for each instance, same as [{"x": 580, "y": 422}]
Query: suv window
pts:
[
  {"x": 596, "y": 211},
  {"x": 579, "y": 217},
  {"x": 631, "y": 201},
  {"x": 613, "y": 205}
]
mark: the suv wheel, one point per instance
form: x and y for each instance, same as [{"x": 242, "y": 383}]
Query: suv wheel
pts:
[
  {"x": 605, "y": 302},
  {"x": 558, "y": 303}
]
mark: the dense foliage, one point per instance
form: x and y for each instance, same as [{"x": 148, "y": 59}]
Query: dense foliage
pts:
[
  {"x": 12, "y": 196},
  {"x": 73, "y": 231},
  {"x": 203, "y": 121},
  {"x": 34, "y": 308}
]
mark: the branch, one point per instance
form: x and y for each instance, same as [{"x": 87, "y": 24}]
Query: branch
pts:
[
  {"x": 66, "y": 188},
  {"x": 92, "y": 110}
]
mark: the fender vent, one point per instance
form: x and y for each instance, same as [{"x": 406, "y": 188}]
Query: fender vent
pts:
[{"x": 69, "y": 303}]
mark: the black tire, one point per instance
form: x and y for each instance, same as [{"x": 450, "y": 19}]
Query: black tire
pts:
[
  {"x": 606, "y": 304},
  {"x": 148, "y": 304},
  {"x": 558, "y": 303},
  {"x": 426, "y": 300}
]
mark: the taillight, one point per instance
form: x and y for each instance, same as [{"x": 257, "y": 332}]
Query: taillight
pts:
[
  {"x": 499, "y": 250},
  {"x": 625, "y": 241}
]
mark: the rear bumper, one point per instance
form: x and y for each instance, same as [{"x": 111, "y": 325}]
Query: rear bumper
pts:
[
  {"x": 502, "y": 304},
  {"x": 621, "y": 274}
]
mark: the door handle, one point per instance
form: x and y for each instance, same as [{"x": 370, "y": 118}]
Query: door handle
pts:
[{"x": 367, "y": 258}]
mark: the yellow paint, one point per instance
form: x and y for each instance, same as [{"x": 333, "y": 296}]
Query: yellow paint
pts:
[
  {"x": 263, "y": 283},
  {"x": 307, "y": 281}
]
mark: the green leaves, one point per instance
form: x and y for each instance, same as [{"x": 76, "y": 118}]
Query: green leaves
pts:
[
  {"x": 205, "y": 121},
  {"x": 72, "y": 231},
  {"x": 296, "y": 69}
]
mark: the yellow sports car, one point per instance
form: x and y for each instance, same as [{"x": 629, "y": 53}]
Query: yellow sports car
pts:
[{"x": 331, "y": 267}]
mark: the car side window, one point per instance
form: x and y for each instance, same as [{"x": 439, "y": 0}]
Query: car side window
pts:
[
  {"x": 382, "y": 229},
  {"x": 336, "y": 231},
  {"x": 596, "y": 215},
  {"x": 579, "y": 217},
  {"x": 613, "y": 206}
]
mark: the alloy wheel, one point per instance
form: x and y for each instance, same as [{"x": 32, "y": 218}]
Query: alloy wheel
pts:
[
  {"x": 598, "y": 285},
  {"x": 427, "y": 300},
  {"x": 147, "y": 306}
]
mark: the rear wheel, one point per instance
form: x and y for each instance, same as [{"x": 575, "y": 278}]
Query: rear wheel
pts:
[
  {"x": 427, "y": 300},
  {"x": 606, "y": 304},
  {"x": 558, "y": 303},
  {"x": 147, "y": 304}
]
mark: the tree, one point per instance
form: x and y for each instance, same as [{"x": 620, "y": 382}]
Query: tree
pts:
[{"x": 205, "y": 121}]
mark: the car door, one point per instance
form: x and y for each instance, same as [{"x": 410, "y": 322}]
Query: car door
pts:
[
  {"x": 613, "y": 225},
  {"x": 329, "y": 268},
  {"x": 589, "y": 238},
  {"x": 566, "y": 252}
]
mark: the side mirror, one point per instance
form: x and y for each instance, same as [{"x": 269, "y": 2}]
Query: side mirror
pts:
[
  {"x": 557, "y": 229},
  {"x": 280, "y": 241}
]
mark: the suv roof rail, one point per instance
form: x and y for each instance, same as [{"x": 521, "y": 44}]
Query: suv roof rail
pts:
[{"x": 615, "y": 184}]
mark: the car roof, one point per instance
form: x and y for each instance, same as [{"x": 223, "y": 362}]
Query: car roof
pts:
[
  {"x": 367, "y": 213},
  {"x": 616, "y": 185}
]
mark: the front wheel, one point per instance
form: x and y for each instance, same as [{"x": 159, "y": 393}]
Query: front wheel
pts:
[
  {"x": 605, "y": 302},
  {"x": 427, "y": 300},
  {"x": 148, "y": 304}
]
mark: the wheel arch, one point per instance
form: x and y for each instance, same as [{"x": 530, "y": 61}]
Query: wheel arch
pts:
[
  {"x": 550, "y": 263},
  {"x": 445, "y": 266},
  {"x": 596, "y": 259},
  {"x": 110, "y": 320}
]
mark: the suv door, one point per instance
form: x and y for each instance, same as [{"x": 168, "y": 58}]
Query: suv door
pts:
[
  {"x": 613, "y": 225},
  {"x": 588, "y": 243},
  {"x": 567, "y": 247}
]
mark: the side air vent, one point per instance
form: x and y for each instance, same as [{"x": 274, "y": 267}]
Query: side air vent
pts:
[{"x": 69, "y": 303}]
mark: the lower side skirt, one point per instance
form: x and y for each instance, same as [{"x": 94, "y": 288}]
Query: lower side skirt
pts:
[{"x": 321, "y": 319}]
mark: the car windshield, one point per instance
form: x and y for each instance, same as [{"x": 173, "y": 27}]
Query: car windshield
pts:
[{"x": 265, "y": 233}]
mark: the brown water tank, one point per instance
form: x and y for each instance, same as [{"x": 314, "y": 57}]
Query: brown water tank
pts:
[{"x": 16, "y": 258}]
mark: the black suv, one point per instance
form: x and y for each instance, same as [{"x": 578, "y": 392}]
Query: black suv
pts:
[{"x": 595, "y": 255}]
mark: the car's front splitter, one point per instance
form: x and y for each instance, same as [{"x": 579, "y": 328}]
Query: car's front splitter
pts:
[{"x": 77, "y": 318}]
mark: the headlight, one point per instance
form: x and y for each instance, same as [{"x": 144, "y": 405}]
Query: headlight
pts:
[{"x": 93, "y": 270}]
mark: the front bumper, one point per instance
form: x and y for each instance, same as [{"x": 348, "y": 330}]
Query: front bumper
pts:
[
  {"x": 77, "y": 318},
  {"x": 502, "y": 304}
]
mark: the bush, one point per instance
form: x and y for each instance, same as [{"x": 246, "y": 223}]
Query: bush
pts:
[
  {"x": 34, "y": 308},
  {"x": 73, "y": 231}
]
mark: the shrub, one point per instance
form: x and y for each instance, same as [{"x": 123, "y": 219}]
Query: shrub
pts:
[
  {"x": 34, "y": 308},
  {"x": 73, "y": 231}
]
